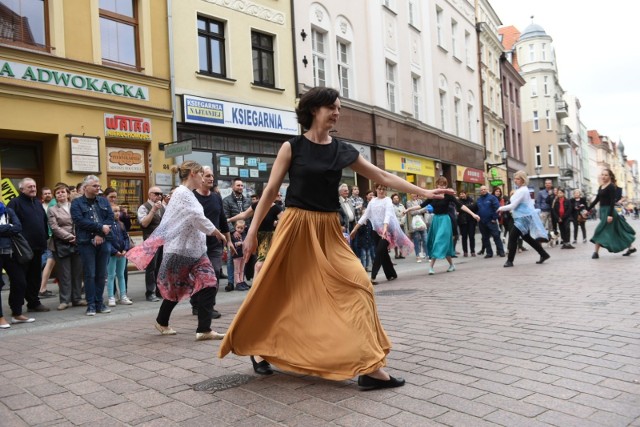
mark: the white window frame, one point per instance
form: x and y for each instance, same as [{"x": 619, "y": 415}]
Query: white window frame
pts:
[
  {"x": 534, "y": 86},
  {"x": 439, "y": 36},
  {"x": 470, "y": 115},
  {"x": 532, "y": 53},
  {"x": 551, "y": 156},
  {"x": 454, "y": 40},
  {"x": 536, "y": 121},
  {"x": 391, "y": 86},
  {"x": 467, "y": 50},
  {"x": 344, "y": 66},
  {"x": 413, "y": 12},
  {"x": 443, "y": 110},
  {"x": 546, "y": 86},
  {"x": 319, "y": 61},
  {"x": 456, "y": 115},
  {"x": 548, "y": 118},
  {"x": 417, "y": 99},
  {"x": 544, "y": 51},
  {"x": 538, "y": 155}
]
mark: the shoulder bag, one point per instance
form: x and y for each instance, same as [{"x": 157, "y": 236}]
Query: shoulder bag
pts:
[{"x": 21, "y": 250}]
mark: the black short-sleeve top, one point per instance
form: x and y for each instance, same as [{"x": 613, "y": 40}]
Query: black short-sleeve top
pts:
[
  {"x": 315, "y": 173},
  {"x": 441, "y": 206}
]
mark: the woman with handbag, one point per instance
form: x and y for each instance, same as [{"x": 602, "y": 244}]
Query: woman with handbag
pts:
[
  {"x": 417, "y": 228},
  {"x": 68, "y": 263},
  {"x": 10, "y": 226}
]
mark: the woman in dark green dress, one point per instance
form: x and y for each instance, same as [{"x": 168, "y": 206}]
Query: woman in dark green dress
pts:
[{"x": 613, "y": 233}]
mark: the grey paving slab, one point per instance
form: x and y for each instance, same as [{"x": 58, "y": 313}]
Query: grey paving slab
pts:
[{"x": 531, "y": 345}]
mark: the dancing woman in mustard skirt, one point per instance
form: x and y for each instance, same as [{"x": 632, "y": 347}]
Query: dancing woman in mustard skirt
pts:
[{"x": 312, "y": 309}]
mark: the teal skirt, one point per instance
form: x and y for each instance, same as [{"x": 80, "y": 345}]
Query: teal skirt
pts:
[
  {"x": 440, "y": 237},
  {"x": 615, "y": 236}
]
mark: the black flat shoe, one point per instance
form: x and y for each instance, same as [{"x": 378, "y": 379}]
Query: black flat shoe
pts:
[
  {"x": 392, "y": 278},
  {"x": 261, "y": 368},
  {"x": 595, "y": 255},
  {"x": 543, "y": 258},
  {"x": 629, "y": 251},
  {"x": 508, "y": 264},
  {"x": 365, "y": 382}
]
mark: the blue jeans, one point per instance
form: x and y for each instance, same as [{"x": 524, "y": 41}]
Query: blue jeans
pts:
[
  {"x": 94, "y": 265},
  {"x": 489, "y": 230},
  {"x": 420, "y": 237},
  {"x": 116, "y": 268},
  {"x": 229, "y": 267}
]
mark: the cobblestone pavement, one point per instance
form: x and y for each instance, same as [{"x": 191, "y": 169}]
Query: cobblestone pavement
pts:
[{"x": 554, "y": 344}]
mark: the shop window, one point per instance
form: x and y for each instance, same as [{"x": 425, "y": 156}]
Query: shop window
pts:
[
  {"x": 211, "y": 51},
  {"x": 263, "y": 59},
  {"x": 119, "y": 32},
  {"x": 24, "y": 23},
  {"x": 131, "y": 195}
]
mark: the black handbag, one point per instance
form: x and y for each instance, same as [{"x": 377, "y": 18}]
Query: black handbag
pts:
[
  {"x": 21, "y": 250},
  {"x": 63, "y": 248}
]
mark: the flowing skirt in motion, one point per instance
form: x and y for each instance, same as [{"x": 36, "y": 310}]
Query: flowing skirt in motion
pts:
[
  {"x": 615, "y": 237},
  {"x": 440, "y": 237},
  {"x": 311, "y": 309}
]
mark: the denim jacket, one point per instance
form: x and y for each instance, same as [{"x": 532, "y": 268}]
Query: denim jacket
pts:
[{"x": 88, "y": 227}]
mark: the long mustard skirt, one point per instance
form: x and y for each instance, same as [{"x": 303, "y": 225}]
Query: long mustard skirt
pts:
[{"x": 311, "y": 310}]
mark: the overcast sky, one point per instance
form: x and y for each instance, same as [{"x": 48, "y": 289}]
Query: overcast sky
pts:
[{"x": 596, "y": 46}]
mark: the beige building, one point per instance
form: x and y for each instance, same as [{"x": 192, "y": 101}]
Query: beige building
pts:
[
  {"x": 234, "y": 85},
  {"x": 78, "y": 100}
]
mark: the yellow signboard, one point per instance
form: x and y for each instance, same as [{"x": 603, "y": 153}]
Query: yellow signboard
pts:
[
  {"x": 8, "y": 190},
  {"x": 400, "y": 162}
]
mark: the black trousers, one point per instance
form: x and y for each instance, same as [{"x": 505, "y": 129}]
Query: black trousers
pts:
[
  {"x": 204, "y": 300},
  {"x": 17, "y": 284},
  {"x": 382, "y": 258},
  {"x": 468, "y": 233},
  {"x": 151, "y": 274},
  {"x": 514, "y": 235},
  {"x": 33, "y": 276},
  {"x": 565, "y": 232},
  {"x": 582, "y": 225}
]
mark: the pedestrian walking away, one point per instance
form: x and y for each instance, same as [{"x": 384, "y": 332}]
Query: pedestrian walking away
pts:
[
  {"x": 311, "y": 276},
  {"x": 185, "y": 269},
  {"x": 613, "y": 232},
  {"x": 526, "y": 221}
]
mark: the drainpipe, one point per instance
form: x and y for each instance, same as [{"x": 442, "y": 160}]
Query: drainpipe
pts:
[
  {"x": 295, "y": 51},
  {"x": 483, "y": 127},
  {"x": 172, "y": 72}
]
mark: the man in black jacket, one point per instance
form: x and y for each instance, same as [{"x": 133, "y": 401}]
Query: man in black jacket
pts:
[{"x": 34, "y": 228}]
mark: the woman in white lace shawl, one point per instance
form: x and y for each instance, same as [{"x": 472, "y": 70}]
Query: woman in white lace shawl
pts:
[{"x": 185, "y": 269}]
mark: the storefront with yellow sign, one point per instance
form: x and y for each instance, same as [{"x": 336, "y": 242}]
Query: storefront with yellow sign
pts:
[
  {"x": 469, "y": 180},
  {"x": 416, "y": 170}
]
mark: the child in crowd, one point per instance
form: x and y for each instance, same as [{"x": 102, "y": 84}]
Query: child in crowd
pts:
[
  {"x": 237, "y": 238},
  {"x": 118, "y": 262}
]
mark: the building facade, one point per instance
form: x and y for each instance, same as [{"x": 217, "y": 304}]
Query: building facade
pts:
[
  {"x": 76, "y": 101},
  {"x": 235, "y": 87}
]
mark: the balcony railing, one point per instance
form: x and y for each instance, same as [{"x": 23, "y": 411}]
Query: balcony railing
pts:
[{"x": 562, "y": 109}]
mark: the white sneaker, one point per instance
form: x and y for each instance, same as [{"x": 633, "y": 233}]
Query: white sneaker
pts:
[
  {"x": 112, "y": 302},
  {"x": 125, "y": 300}
]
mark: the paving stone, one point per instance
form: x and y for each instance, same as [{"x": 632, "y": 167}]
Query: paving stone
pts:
[
  {"x": 575, "y": 375},
  {"x": 63, "y": 400},
  {"x": 529, "y": 374},
  {"x": 21, "y": 401},
  {"x": 560, "y": 419},
  {"x": 520, "y": 407},
  {"x": 320, "y": 409},
  {"x": 416, "y": 406},
  {"x": 631, "y": 411},
  {"x": 359, "y": 420},
  {"x": 272, "y": 410},
  {"x": 491, "y": 375},
  {"x": 452, "y": 418},
  {"x": 509, "y": 419},
  {"x": 368, "y": 407},
  {"x": 38, "y": 415},
  {"x": 130, "y": 412},
  {"x": 176, "y": 411},
  {"x": 470, "y": 407},
  {"x": 9, "y": 417},
  {"x": 611, "y": 420},
  {"x": 595, "y": 390},
  {"x": 404, "y": 419},
  {"x": 83, "y": 414},
  {"x": 104, "y": 399},
  {"x": 305, "y": 420}
]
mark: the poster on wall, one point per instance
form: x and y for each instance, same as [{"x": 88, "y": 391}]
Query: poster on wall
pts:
[
  {"x": 85, "y": 153},
  {"x": 125, "y": 160},
  {"x": 130, "y": 197}
]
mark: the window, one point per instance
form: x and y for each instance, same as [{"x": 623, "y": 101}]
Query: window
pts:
[
  {"x": 22, "y": 22},
  {"x": 470, "y": 122},
  {"x": 551, "y": 161},
  {"x": 492, "y": 104},
  {"x": 454, "y": 33},
  {"x": 391, "y": 86},
  {"x": 538, "y": 156},
  {"x": 532, "y": 53},
  {"x": 548, "y": 117},
  {"x": 344, "y": 69},
  {"x": 262, "y": 50},
  {"x": 544, "y": 51},
  {"x": 439, "y": 26},
  {"x": 517, "y": 91},
  {"x": 534, "y": 86},
  {"x": 456, "y": 114},
  {"x": 413, "y": 12},
  {"x": 536, "y": 124},
  {"x": 546, "y": 85},
  {"x": 319, "y": 58},
  {"x": 443, "y": 109},
  {"x": 467, "y": 48},
  {"x": 417, "y": 99},
  {"x": 119, "y": 32},
  {"x": 211, "y": 53}
]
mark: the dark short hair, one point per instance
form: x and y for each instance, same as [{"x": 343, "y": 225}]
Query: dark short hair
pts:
[
  {"x": 236, "y": 179},
  {"x": 315, "y": 98}
]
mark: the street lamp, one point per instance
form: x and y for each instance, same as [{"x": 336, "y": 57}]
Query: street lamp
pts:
[{"x": 503, "y": 156}]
